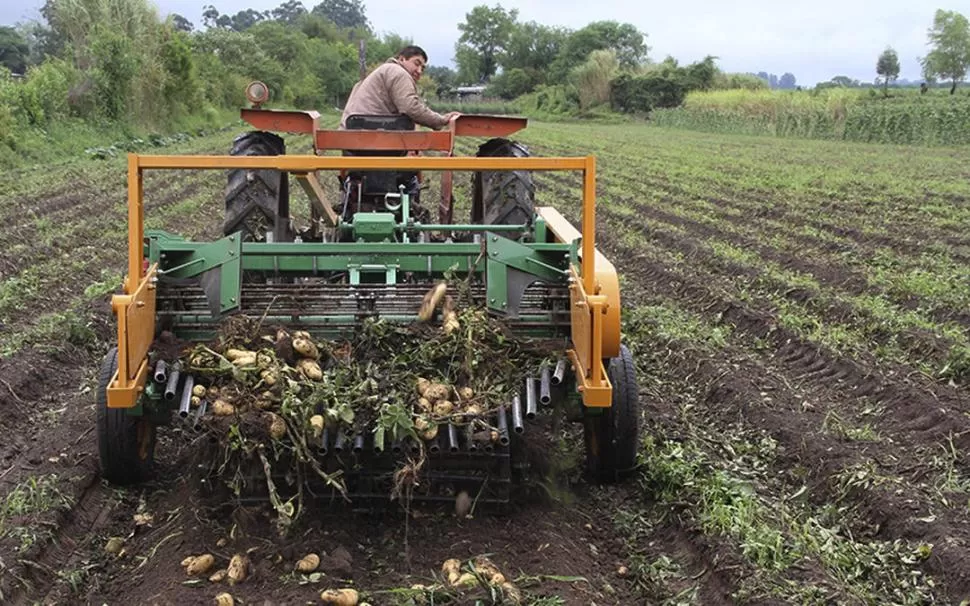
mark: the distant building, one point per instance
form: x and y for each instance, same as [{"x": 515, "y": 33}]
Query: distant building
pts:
[{"x": 462, "y": 92}]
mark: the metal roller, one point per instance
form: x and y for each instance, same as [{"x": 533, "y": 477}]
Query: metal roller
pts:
[
  {"x": 531, "y": 408},
  {"x": 517, "y": 424},
  {"x": 161, "y": 372},
  {"x": 545, "y": 394},
  {"x": 185, "y": 402},
  {"x": 172, "y": 383},
  {"x": 560, "y": 372},
  {"x": 503, "y": 427}
]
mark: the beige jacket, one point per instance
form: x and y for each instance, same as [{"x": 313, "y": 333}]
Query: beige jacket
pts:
[{"x": 387, "y": 91}]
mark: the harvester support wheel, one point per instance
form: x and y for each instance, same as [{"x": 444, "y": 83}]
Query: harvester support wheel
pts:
[
  {"x": 612, "y": 437},
  {"x": 258, "y": 200},
  {"x": 503, "y": 197},
  {"x": 126, "y": 443}
]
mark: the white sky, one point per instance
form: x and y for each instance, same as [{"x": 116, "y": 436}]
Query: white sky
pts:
[{"x": 813, "y": 40}]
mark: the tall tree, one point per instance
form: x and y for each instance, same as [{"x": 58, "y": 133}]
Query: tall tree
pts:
[
  {"x": 343, "y": 13},
  {"x": 787, "y": 81},
  {"x": 181, "y": 24},
  {"x": 623, "y": 38},
  {"x": 887, "y": 67},
  {"x": 950, "y": 39},
  {"x": 290, "y": 12},
  {"x": 532, "y": 46},
  {"x": 13, "y": 50},
  {"x": 484, "y": 37}
]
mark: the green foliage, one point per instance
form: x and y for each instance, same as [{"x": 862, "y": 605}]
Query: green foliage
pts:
[
  {"x": 43, "y": 96},
  {"x": 557, "y": 100},
  {"x": 514, "y": 83},
  {"x": 834, "y": 113},
  {"x": 592, "y": 78},
  {"x": 484, "y": 37},
  {"x": 950, "y": 39},
  {"x": 724, "y": 81},
  {"x": 887, "y": 66},
  {"x": 343, "y": 13},
  {"x": 13, "y": 50},
  {"x": 182, "y": 89},
  {"x": 114, "y": 71},
  {"x": 641, "y": 94}
]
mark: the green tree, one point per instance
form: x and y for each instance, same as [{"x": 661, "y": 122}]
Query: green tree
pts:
[
  {"x": 343, "y": 13},
  {"x": 592, "y": 78},
  {"x": 181, "y": 24},
  {"x": 484, "y": 37},
  {"x": 13, "y": 50},
  {"x": 445, "y": 77},
  {"x": 622, "y": 38},
  {"x": 887, "y": 67},
  {"x": 532, "y": 46},
  {"x": 950, "y": 57},
  {"x": 290, "y": 12}
]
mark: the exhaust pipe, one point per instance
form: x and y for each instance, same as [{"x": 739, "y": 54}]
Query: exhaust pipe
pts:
[
  {"x": 341, "y": 442},
  {"x": 470, "y": 440},
  {"x": 530, "y": 398},
  {"x": 358, "y": 444},
  {"x": 560, "y": 372},
  {"x": 453, "y": 438},
  {"x": 186, "y": 402},
  {"x": 517, "y": 425},
  {"x": 161, "y": 372},
  {"x": 503, "y": 428},
  {"x": 545, "y": 396},
  {"x": 172, "y": 383},
  {"x": 434, "y": 447},
  {"x": 324, "y": 446},
  {"x": 199, "y": 413}
]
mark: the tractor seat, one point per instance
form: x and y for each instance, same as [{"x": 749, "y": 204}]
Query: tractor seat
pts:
[{"x": 381, "y": 182}]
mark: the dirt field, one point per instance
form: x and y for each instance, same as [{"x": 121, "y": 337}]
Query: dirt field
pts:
[{"x": 798, "y": 312}]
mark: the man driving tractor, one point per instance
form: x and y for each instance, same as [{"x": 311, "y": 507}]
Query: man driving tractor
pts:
[{"x": 391, "y": 89}]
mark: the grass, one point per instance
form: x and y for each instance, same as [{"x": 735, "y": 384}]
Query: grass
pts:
[{"x": 24, "y": 504}]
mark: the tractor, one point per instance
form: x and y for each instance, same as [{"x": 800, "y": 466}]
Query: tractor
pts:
[{"x": 374, "y": 252}]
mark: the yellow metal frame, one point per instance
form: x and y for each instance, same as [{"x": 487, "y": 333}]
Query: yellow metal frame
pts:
[{"x": 594, "y": 286}]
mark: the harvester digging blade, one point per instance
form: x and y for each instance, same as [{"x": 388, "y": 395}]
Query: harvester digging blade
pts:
[
  {"x": 211, "y": 282},
  {"x": 516, "y": 282}
]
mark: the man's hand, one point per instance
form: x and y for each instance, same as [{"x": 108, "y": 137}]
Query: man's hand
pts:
[{"x": 451, "y": 116}]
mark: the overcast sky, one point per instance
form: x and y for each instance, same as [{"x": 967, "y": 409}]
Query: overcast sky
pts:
[{"x": 814, "y": 40}]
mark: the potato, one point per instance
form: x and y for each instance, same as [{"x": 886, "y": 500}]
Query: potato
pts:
[
  {"x": 233, "y": 354},
  {"x": 489, "y": 570},
  {"x": 244, "y": 361},
  {"x": 424, "y": 405},
  {"x": 421, "y": 423},
  {"x": 115, "y": 545},
  {"x": 451, "y": 570},
  {"x": 436, "y": 391},
  {"x": 422, "y": 385},
  {"x": 305, "y": 348},
  {"x": 218, "y": 576},
  {"x": 430, "y": 433},
  {"x": 277, "y": 426},
  {"x": 443, "y": 408},
  {"x": 317, "y": 423},
  {"x": 310, "y": 369},
  {"x": 466, "y": 580},
  {"x": 265, "y": 359},
  {"x": 511, "y": 592},
  {"x": 212, "y": 392},
  {"x": 198, "y": 390},
  {"x": 269, "y": 376},
  {"x": 238, "y": 569},
  {"x": 302, "y": 334},
  {"x": 473, "y": 410},
  {"x": 200, "y": 565},
  {"x": 221, "y": 408},
  {"x": 308, "y": 563},
  {"x": 187, "y": 561},
  {"x": 465, "y": 393},
  {"x": 431, "y": 300},
  {"x": 225, "y": 599},
  {"x": 340, "y": 597}
]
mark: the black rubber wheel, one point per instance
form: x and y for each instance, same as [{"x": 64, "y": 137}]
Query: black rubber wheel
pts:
[
  {"x": 503, "y": 197},
  {"x": 613, "y": 437},
  {"x": 258, "y": 201},
  {"x": 126, "y": 443}
]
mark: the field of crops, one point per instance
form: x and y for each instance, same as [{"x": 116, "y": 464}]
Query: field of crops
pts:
[
  {"x": 862, "y": 115},
  {"x": 799, "y": 312}
]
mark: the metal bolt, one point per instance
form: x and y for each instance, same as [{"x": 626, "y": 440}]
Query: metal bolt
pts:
[
  {"x": 494, "y": 238},
  {"x": 232, "y": 299},
  {"x": 232, "y": 238},
  {"x": 492, "y": 300}
]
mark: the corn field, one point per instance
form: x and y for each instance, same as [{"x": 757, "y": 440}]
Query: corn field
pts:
[{"x": 839, "y": 114}]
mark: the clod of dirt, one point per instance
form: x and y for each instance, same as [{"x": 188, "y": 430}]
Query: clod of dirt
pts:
[
  {"x": 115, "y": 545},
  {"x": 225, "y": 599},
  {"x": 198, "y": 564},
  {"x": 340, "y": 597},
  {"x": 308, "y": 563}
]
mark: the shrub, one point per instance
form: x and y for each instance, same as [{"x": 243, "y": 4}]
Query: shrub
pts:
[{"x": 641, "y": 94}]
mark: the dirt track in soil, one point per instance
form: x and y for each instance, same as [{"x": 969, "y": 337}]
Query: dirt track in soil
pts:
[{"x": 47, "y": 420}]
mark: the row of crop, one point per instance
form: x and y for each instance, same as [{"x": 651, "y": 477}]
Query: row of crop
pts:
[{"x": 911, "y": 123}]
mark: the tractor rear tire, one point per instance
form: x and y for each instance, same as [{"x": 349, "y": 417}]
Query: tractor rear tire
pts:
[
  {"x": 503, "y": 197},
  {"x": 126, "y": 443},
  {"x": 612, "y": 438},
  {"x": 257, "y": 200}
]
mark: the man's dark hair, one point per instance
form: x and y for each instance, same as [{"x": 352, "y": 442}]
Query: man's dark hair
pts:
[{"x": 409, "y": 51}]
